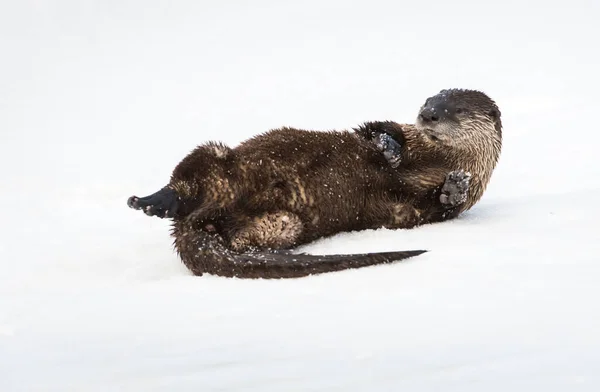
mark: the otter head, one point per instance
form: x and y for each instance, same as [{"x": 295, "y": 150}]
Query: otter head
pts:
[{"x": 455, "y": 115}]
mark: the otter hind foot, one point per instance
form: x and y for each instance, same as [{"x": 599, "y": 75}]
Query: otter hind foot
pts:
[
  {"x": 456, "y": 188},
  {"x": 163, "y": 204}
]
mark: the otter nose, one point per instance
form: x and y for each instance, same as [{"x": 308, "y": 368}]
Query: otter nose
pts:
[
  {"x": 435, "y": 112},
  {"x": 429, "y": 115}
]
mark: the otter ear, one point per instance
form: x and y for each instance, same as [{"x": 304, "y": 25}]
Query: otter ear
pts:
[{"x": 494, "y": 113}]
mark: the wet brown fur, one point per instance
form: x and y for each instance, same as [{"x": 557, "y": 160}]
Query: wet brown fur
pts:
[{"x": 288, "y": 187}]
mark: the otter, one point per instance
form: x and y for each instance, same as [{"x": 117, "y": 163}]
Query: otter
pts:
[{"x": 240, "y": 212}]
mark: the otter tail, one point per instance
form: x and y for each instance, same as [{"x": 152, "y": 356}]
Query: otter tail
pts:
[
  {"x": 204, "y": 252},
  {"x": 289, "y": 265}
]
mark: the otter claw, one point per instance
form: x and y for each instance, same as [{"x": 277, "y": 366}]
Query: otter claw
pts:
[
  {"x": 456, "y": 188},
  {"x": 163, "y": 204}
]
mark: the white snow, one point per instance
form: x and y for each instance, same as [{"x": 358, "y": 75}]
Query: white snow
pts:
[{"x": 100, "y": 99}]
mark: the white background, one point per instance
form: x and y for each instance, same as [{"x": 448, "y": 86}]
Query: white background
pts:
[{"x": 100, "y": 99}]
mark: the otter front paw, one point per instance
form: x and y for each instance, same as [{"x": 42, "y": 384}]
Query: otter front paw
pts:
[
  {"x": 163, "y": 204},
  {"x": 390, "y": 148},
  {"x": 456, "y": 188}
]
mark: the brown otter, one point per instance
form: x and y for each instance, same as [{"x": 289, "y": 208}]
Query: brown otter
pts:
[{"x": 236, "y": 211}]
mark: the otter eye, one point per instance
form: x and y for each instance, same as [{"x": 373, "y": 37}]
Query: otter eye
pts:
[{"x": 460, "y": 110}]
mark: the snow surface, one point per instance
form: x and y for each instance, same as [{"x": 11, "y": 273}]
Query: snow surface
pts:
[{"x": 100, "y": 99}]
